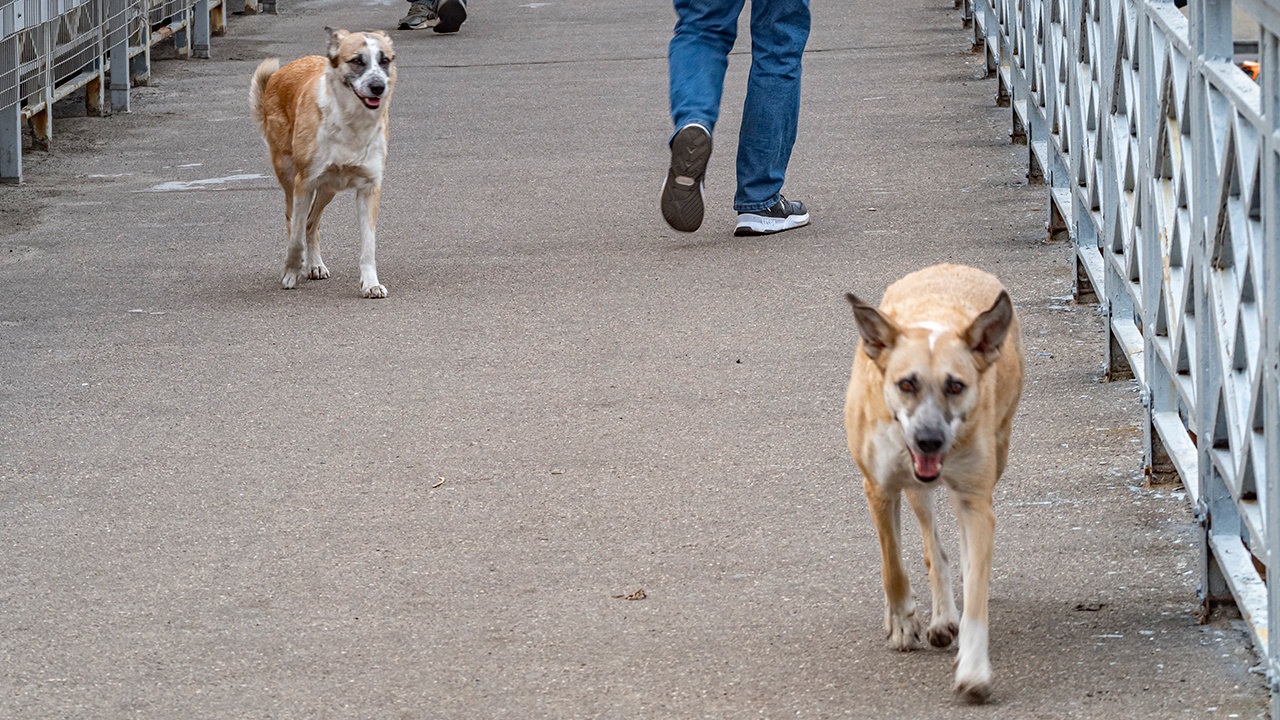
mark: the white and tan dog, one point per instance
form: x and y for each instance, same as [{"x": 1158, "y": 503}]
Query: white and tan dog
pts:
[
  {"x": 935, "y": 384},
  {"x": 326, "y": 122}
]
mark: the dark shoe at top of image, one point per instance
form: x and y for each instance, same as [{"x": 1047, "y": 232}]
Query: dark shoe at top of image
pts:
[
  {"x": 442, "y": 16},
  {"x": 682, "y": 190},
  {"x": 452, "y": 13},
  {"x": 784, "y": 215}
]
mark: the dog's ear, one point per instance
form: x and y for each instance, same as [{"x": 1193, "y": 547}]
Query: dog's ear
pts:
[
  {"x": 879, "y": 333},
  {"x": 987, "y": 332},
  {"x": 335, "y": 39}
]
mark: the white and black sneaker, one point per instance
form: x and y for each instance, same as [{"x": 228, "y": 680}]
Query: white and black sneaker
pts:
[
  {"x": 784, "y": 215},
  {"x": 682, "y": 190}
]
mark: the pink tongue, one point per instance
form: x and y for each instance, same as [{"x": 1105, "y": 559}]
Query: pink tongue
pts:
[
  {"x": 372, "y": 101},
  {"x": 927, "y": 466}
]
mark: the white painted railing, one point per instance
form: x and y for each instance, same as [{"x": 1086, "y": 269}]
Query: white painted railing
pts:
[
  {"x": 49, "y": 49},
  {"x": 1162, "y": 160}
]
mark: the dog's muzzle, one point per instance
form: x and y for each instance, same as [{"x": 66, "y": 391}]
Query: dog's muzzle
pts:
[
  {"x": 926, "y": 454},
  {"x": 374, "y": 99}
]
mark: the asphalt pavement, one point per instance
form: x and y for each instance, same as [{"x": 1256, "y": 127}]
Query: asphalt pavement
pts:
[{"x": 577, "y": 464}]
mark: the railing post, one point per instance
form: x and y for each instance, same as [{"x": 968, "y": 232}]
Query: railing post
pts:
[
  {"x": 118, "y": 54},
  {"x": 10, "y": 115},
  {"x": 1160, "y": 393},
  {"x": 11, "y": 144},
  {"x": 1270, "y": 301},
  {"x": 200, "y": 30},
  {"x": 1210, "y": 31}
]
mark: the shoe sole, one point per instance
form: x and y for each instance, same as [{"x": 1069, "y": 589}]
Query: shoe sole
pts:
[
  {"x": 682, "y": 191},
  {"x": 753, "y": 224},
  {"x": 452, "y": 13}
]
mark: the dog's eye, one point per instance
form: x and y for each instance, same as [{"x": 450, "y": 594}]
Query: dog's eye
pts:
[
  {"x": 384, "y": 61},
  {"x": 954, "y": 387},
  {"x": 907, "y": 386},
  {"x": 357, "y": 60}
]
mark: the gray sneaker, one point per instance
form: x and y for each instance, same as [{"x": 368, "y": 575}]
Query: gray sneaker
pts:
[
  {"x": 784, "y": 215},
  {"x": 421, "y": 15}
]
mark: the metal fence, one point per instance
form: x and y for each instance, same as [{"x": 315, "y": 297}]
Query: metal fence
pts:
[
  {"x": 50, "y": 49},
  {"x": 1157, "y": 132}
]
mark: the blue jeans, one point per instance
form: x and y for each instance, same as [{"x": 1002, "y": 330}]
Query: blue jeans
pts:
[{"x": 697, "y": 60}]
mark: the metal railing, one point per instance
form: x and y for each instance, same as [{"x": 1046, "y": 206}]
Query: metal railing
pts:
[
  {"x": 50, "y": 49},
  {"x": 1157, "y": 131}
]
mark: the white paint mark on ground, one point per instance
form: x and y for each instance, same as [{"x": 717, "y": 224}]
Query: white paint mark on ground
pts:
[{"x": 209, "y": 183}]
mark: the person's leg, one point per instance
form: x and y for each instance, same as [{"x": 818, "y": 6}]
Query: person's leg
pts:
[
  {"x": 696, "y": 61},
  {"x": 698, "y": 57},
  {"x": 779, "y": 32}
]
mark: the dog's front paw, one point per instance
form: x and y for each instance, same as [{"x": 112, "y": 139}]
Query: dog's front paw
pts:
[
  {"x": 941, "y": 634},
  {"x": 374, "y": 291},
  {"x": 903, "y": 627},
  {"x": 973, "y": 664},
  {"x": 974, "y": 689},
  {"x": 289, "y": 280},
  {"x": 318, "y": 271}
]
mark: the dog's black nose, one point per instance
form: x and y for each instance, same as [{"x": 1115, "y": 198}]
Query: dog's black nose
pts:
[
  {"x": 929, "y": 441},
  {"x": 376, "y": 89}
]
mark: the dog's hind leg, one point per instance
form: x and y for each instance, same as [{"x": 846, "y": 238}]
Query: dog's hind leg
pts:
[
  {"x": 303, "y": 197},
  {"x": 314, "y": 264},
  {"x": 286, "y": 182},
  {"x": 367, "y": 211},
  {"x": 943, "y": 625},
  {"x": 973, "y": 664},
  {"x": 285, "y": 175},
  {"x": 899, "y": 607}
]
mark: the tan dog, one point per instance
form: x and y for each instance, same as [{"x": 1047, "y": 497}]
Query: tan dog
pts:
[
  {"x": 326, "y": 124},
  {"x": 935, "y": 384}
]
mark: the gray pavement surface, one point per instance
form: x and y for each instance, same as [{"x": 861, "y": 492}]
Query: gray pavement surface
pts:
[{"x": 219, "y": 499}]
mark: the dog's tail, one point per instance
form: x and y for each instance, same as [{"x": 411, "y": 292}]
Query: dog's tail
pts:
[{"x": 265, "y": 70}]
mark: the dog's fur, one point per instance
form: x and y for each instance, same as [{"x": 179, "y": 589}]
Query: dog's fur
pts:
[
  {"x": 935, "y": 384},
  {"x": 326, "y": 123}
]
